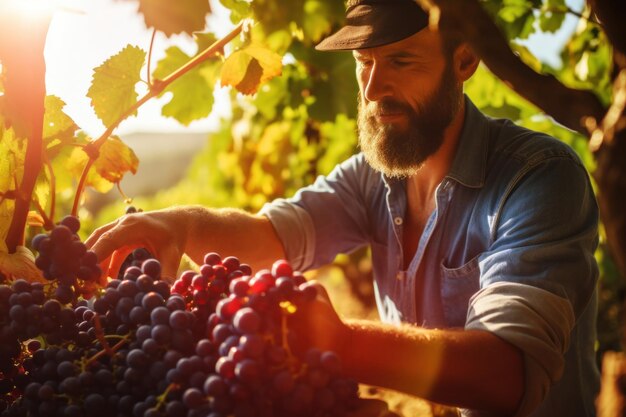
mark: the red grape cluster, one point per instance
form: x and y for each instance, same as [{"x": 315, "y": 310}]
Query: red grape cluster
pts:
[{"x": 215, "y": 343}]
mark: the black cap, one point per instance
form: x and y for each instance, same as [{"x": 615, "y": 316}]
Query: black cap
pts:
[{"x": 371, "y": 23}]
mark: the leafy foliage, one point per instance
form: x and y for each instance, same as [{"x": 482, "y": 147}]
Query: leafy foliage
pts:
[
  {"x": 171, "y": 17},
  {"x": 112, "y": 91},
  {"x": 13, "y": 151},
  {"x": 191, "y": 95},
  {"x": 113, "y": 161},
  {"x": 249, "y": 67}
]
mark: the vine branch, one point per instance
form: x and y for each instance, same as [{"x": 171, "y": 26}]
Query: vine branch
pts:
[
  {"x": 25, "y": 92},
  {"x": 92, "y": 149},
  {"x": 148, "y": 70}
]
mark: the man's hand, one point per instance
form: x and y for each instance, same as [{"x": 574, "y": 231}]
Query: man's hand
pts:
[
  {"x": 163, "y": 233},
  {"x": 318, "y": 324}
]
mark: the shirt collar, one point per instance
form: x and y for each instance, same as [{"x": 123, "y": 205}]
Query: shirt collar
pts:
[{"x": 470, "y": 160}]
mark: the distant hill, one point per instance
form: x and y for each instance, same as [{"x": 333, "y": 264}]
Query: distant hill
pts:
[{"x": 163, "y": 161}]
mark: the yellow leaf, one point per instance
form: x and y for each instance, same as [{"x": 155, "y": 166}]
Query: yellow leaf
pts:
[
  {"x": 34, "y": 219},
  {"x": 250, "y": 67},
  {"x": 13, "y": 151},
  {"x": 75, "y": 165},
  {"x": 115, "y": 160},
  {"x": 20, "y": 264}
]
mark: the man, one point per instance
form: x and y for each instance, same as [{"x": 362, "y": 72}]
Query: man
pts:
[{"x": 482, "y": 235}]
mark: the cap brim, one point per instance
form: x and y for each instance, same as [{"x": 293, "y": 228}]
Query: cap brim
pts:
[{"x": 376, "y": 23}]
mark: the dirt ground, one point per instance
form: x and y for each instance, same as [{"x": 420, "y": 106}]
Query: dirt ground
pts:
[{"x": 398, "y": 404}]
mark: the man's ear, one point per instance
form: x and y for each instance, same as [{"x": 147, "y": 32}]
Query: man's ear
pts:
[{"x": 465, "y": 61}]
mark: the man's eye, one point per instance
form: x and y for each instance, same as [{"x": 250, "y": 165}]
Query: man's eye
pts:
[{"x": 400, "y": 62}]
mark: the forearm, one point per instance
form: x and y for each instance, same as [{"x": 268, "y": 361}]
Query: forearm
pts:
[
  {"x": 469, "y": 369},
  {"x": 231, "y": 232}
]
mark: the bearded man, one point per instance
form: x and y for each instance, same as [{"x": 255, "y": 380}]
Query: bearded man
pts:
[{"x": 482, "y": 235}]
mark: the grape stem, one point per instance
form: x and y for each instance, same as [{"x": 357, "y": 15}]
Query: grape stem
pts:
[
  {"x": 162, "y": 399},
  {"x": 148, "y": 71},
  {"x": 47, "y": 222},
  {"x": 48, "y": 164},
  {"x": 291, "y": 359},
  {"x": 92, "y": 149},
  {"x": 100, "y": 335},
  {"x": 101, "y": 353}
]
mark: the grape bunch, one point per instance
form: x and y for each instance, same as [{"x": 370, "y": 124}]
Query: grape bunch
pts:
[
  {"x": 28, "y": 318},
  {"x": 256, "y": 372},
  {"x": 216, "y": 342},
  {"x": 64, "y": 259}
]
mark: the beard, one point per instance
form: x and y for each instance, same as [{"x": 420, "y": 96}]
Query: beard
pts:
[{"x": 399, "y": 152}]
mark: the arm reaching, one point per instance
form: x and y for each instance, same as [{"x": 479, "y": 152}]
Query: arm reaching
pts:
[
  {"x": 194, "y": 230},
  {"x": 465, "y": 368}
]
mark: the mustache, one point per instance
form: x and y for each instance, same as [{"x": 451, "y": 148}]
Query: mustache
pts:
[{"x": 388, "y": 106}]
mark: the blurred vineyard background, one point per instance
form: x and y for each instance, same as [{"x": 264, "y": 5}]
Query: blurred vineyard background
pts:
[{"x": 299, "y": 125}]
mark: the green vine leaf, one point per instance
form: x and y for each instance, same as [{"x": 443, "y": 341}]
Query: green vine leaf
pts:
[
  {"x": 250, "y": 67},
  {"x": 112, "y": 90},
  {"x": 192, "y": 94},
  {"x": 239, "y": 9},
  {"x": 175, "y": 16}
]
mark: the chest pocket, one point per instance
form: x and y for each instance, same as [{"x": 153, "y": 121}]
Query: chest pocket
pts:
[{"x": 457, "y": 287}]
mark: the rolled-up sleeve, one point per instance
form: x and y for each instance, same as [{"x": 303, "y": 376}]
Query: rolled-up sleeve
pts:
[
  {"x": 539, "y": 274},
  {"x": 326, "y": 218},
  {"x": 543, "y": 335}
]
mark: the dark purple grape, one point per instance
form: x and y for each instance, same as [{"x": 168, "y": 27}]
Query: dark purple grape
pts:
[
  {"x": 72, "y": 223},
  {"x": 212, "y": 258},
  {"x": 152, "y": 300},
  {"x": 151, "y": 267},
  {"x": 283, "y": 382},
  {"x": 193, "y": 398},
  {"x": 247, "y": 321}
]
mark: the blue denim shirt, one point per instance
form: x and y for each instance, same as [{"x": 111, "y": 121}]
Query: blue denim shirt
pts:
[{"x": 508, "y": 249}]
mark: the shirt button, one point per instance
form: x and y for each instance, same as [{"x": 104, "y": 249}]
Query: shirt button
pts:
[
  {"x": 398, "y": 221},
  {"x": 400, "y": 276}
]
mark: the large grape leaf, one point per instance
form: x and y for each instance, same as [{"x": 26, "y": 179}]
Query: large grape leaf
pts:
[
  {"x": 112, "y": 90},
  {"x": 192, "y": 94},
  {"x": 175, "y": 16},
  {"x": 58, "y": 127},
  {"x": 114, "y": 160},
  {"x": 249, "y": 67}
]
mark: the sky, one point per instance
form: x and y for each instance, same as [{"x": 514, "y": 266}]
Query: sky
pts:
[{"x": 87, "y": 32}]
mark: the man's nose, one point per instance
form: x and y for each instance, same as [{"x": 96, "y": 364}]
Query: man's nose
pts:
[{"x": 378, "y": 84}]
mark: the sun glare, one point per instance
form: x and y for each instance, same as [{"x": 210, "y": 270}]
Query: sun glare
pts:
[{"x": 28, "y": 8}]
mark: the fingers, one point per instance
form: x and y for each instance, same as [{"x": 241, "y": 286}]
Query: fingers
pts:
[
  {"x": 116, "y": 260},
  {"x": 319, "y": 289},
  {"x": 93, "y": 238},
  {"x": 170, "y": 261},
  {"x": 103, "y": 240}
]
